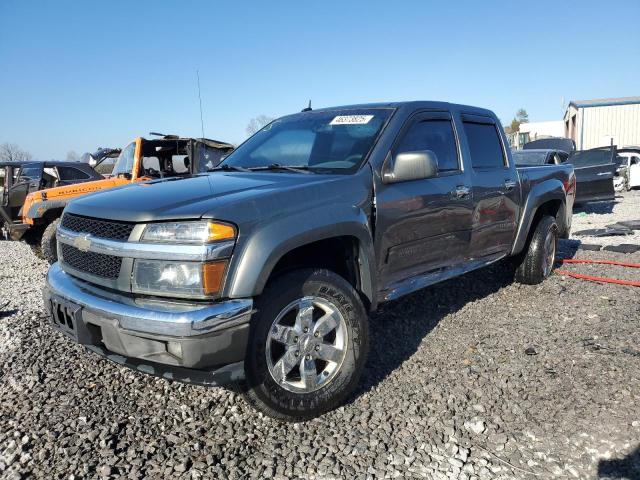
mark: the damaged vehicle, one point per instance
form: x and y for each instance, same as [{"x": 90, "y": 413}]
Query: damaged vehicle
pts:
[
  {"x": 263, "y": 270},
  {"x": 20, "y": 179},
  {"x": 628, "y": 171},
  {"x": 537, "y": 157},
  {"x": 104, "y": 160},
  {"x": 141, "y": 160},
  {"x": 595, "y": 171}
]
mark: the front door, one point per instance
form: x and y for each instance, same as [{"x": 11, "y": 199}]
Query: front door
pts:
[
  {"x": 496, "y": 189},
  {"x": 28, "y": 181},
  {"x": 424, "y": 225},
  {"x": 594, "y": 174}
]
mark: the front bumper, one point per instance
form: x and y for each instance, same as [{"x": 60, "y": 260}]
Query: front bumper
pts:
[{"x": 194, "y": 342}]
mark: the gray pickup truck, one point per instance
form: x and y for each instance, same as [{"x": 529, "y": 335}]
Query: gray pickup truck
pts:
[{"x": 263, "y": 271}]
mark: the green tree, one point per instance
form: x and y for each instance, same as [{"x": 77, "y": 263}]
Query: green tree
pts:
[{"x": 521, "y": 117}]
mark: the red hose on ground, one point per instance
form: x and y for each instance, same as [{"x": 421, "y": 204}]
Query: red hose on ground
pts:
[{"x": 600, "y": 279}]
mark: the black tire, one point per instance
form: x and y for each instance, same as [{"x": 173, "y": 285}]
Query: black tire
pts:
[
  {"x": 537, "y": 262},
  {"x": 48, "y": 243},
  {"x": 37, "y": 250},
  {"x": 261, "y": 389}
]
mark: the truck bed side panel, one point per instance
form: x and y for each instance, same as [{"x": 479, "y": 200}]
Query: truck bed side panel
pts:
[{"x": 541, "y": 185}]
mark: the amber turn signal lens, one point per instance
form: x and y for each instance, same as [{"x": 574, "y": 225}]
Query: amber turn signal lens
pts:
[
  {"x": 212, "y": 276},
  {"x": 221, "y": 231}
]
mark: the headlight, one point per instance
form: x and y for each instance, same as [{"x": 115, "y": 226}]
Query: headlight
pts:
[
  {"x": 178, "y": 279},
  {"x": 188, "y": 232}
]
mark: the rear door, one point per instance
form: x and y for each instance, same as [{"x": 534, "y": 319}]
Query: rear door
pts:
[
  {"x": 594, "y": 174},
  {"x": 424, "y": 225},
  {"x": 496, "y": 188}
]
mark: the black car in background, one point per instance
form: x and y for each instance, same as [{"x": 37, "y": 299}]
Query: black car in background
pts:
[
  {"x": 18, "y": 179},
  {"x": 594, "y": 168},
  {"x": 538, "y": 156}
]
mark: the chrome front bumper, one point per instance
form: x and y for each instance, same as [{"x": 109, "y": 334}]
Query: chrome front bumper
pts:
[{"x": 181, "y": 334}]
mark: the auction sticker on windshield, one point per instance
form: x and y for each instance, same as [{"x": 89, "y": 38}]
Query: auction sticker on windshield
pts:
[{"x": 351, "y": 120}]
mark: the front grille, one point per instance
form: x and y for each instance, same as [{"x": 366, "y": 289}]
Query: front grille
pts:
[
  {"x": 97, "y": 227},
  {"x": 98, "y": 264}
]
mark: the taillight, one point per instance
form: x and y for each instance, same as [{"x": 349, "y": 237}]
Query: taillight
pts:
[{"x": 569, "y": 185}]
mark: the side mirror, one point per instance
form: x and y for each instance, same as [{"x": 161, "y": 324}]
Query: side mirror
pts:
[{"x": 411, "y": 166}]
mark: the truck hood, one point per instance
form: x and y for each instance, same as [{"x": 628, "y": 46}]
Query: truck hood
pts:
[{"x": 232, "y": 196}]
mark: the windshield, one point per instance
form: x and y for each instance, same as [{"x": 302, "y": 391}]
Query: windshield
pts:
[
  {"x": 124, "y": 164},
  {"x": 336, "y": 141},
  {"x": 523, "y": 158}
]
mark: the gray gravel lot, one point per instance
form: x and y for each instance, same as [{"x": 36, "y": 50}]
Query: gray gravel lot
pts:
[
  {"x": 473, "y": 378},
  {"x": 598, "y": 215}
]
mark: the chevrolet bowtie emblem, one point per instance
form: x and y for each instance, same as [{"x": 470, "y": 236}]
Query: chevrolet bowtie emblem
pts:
[{"x": 82, "y": 243}]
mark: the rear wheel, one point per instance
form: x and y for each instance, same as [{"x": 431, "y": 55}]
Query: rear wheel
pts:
[
  {"x": 537, "y": 263},
  {"x": 307, "y": 347},
  {"x": 48, "y": 243}
]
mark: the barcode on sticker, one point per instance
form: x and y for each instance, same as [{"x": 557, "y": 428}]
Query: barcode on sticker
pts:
[{"x": 351, "y": 120}]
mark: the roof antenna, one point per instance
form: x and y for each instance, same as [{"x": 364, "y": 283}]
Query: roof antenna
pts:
[
  {"x": 200, "y": 98},
  {"x": 308, "y": 108}
]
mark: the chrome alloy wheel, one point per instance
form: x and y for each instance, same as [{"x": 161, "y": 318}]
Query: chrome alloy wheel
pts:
[
  {"x": 549, "y": 252},
  {"x": 306, "y": 345}
]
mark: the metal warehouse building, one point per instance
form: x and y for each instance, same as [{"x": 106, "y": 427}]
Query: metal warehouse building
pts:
[{"x": 596, "y": 123}]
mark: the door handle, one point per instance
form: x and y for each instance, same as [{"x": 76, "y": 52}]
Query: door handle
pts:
[
  {"x": 461, "y": 192},
  {"x": 509, "y": 185}
]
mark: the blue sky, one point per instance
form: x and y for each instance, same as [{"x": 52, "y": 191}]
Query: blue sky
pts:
[{"x": 78, "y": 75}]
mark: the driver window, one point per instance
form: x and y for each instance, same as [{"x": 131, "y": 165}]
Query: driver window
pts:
[
  {"x": 28, "y": 174},
  {"x": 151, "y": 163},
  {"x": 434, "y": 135}
]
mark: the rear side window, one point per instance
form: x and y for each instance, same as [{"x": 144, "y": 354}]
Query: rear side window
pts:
[
  {"x": 434, "y": 135},
  {"x": 71, "y": 173},
  {"x": 484, "y": 145}
]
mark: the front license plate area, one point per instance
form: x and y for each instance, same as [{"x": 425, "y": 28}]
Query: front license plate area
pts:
[{"x": 66, "y": 317}]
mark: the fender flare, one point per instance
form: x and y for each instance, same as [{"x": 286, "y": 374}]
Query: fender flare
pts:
[
  {"x": 549, "y": 190},
  {"x": 256, "y": 255},
  {"x": 39, "y": 209}
]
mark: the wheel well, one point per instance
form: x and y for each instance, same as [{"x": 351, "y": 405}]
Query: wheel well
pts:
[
  {"x": 338, "y": 254},
  {"x": 555, "y": 208},
  {"x": 51, "y": 215}
]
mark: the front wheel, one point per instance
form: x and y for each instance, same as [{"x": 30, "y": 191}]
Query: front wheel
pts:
[
  {"x": 307, "y": 347},
  {"x": 538, "y": 261},
  {"x": 48, "y": 245}
]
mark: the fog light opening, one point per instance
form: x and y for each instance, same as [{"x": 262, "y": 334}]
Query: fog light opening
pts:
[{"x": 175, "y": 349}]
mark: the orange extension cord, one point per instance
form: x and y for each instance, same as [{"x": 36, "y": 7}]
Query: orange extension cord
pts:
[{"x": 599, "y": 279}]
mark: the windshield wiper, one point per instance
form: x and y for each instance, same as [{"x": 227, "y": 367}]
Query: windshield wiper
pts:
[
  {"x": 289, "y": 168},
  {"x": 229, "y": 168}
]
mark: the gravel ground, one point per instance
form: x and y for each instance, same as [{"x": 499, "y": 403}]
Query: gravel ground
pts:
[
  {"x": 473, "y": 378},
  {"x": 626, "y": 206}
]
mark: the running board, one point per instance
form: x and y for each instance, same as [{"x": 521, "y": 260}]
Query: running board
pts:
[{"x": 418, "y": 282}]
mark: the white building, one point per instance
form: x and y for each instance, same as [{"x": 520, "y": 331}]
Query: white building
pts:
[
  {"x": 596, "y": 123},
  {"x": 530, "y": 131}
]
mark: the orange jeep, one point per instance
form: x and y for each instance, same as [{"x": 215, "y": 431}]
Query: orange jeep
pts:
[{"x": 141, "y": 160}]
